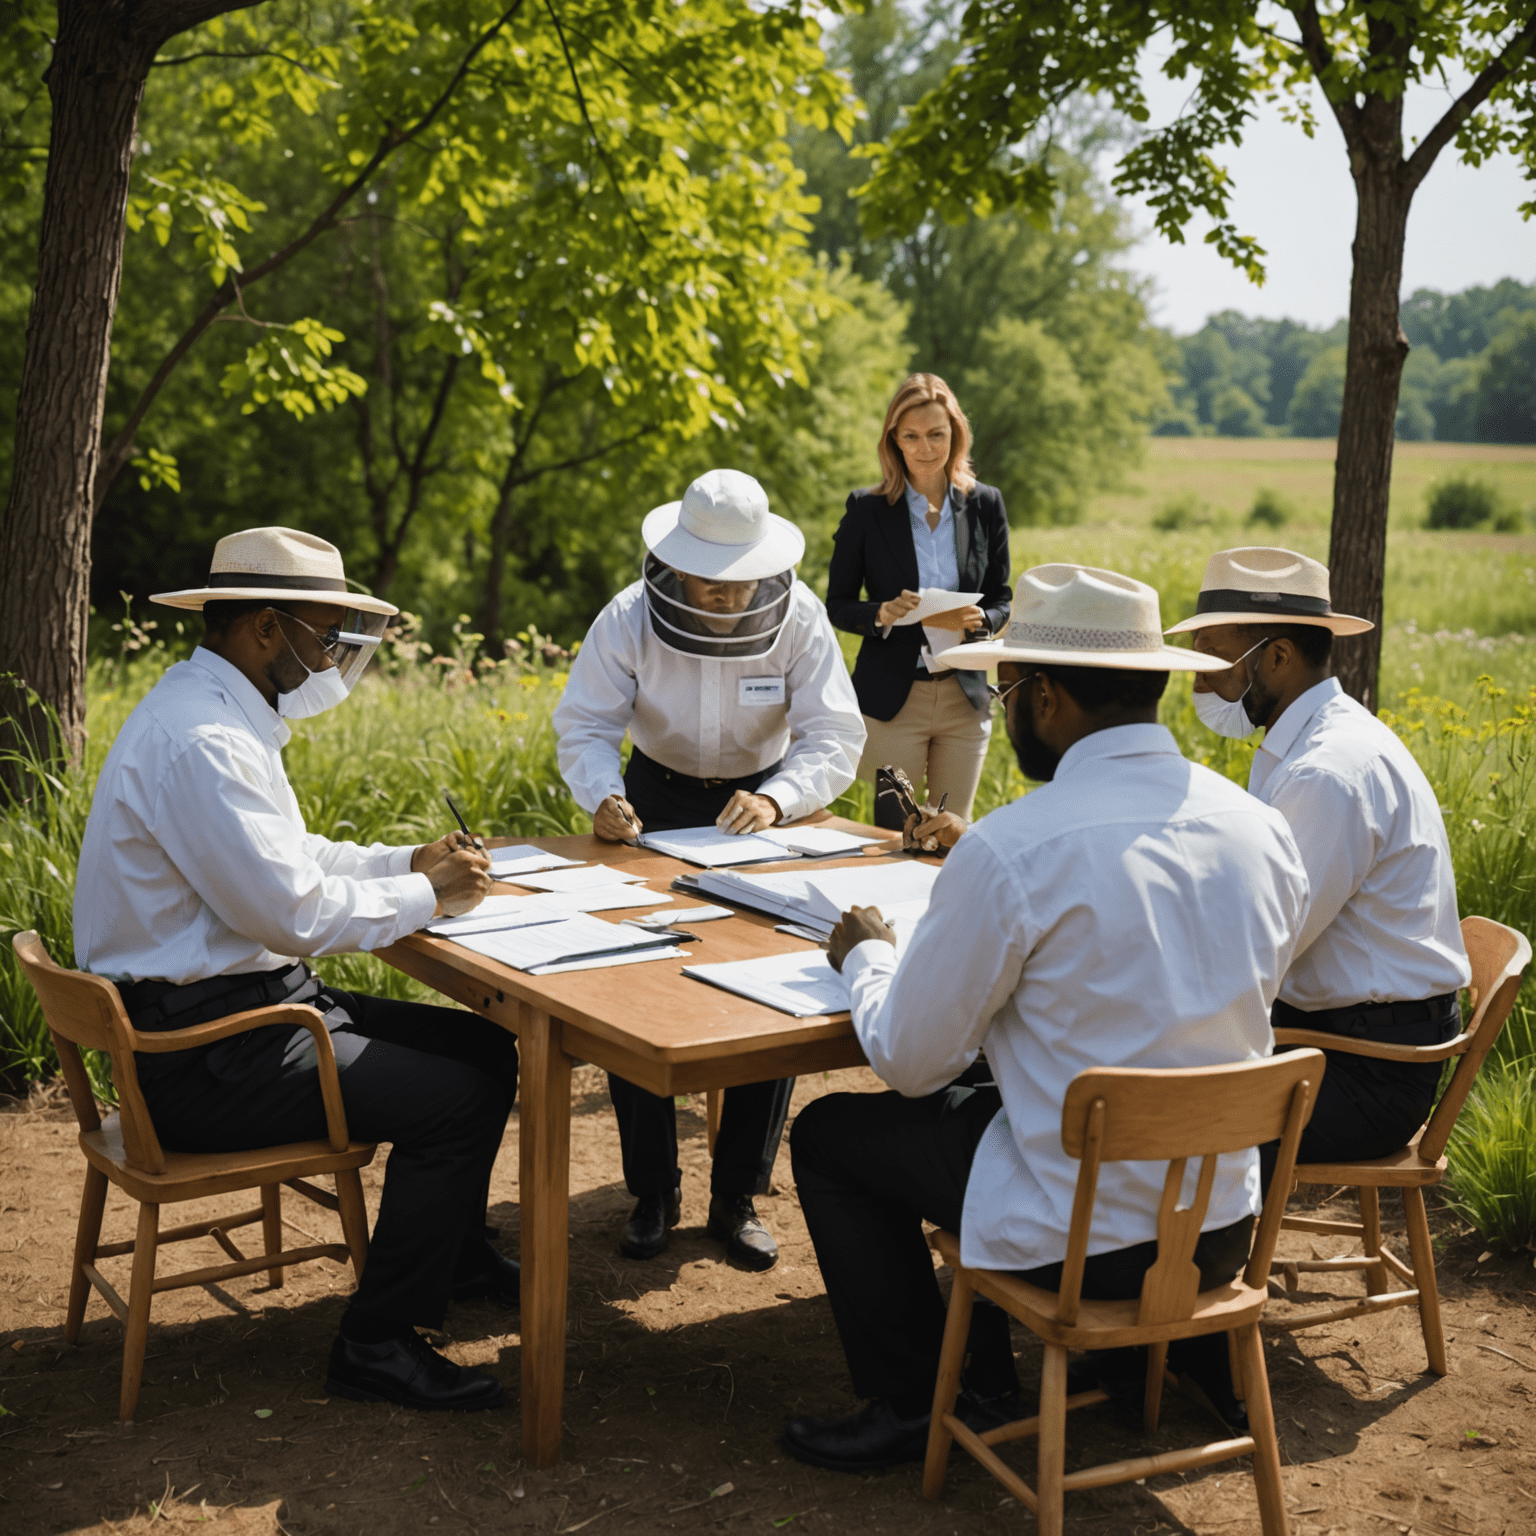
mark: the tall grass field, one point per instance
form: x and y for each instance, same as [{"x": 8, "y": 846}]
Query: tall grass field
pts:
[{"x": 1458, "y": 684}]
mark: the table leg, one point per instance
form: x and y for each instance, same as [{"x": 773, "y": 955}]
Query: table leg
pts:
[{"x": 544, "y": 1183}]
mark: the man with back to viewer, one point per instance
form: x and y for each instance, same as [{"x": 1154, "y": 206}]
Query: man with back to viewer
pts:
[
  {"x": 199, "y": 889},
  {"x": 1137, "y": 910},
  {"x": 1380, "y": 956}
]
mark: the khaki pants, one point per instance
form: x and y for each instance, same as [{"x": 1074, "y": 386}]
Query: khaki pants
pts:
[{"x": 937, "y": 735}]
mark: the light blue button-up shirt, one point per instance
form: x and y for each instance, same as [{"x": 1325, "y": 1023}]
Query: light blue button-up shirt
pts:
[{"x": 937, "y": 564}]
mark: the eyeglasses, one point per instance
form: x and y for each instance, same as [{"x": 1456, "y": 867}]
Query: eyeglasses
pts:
[
  {"x": 327, "y": 642},
  {"x": 1000, "y": 693}
]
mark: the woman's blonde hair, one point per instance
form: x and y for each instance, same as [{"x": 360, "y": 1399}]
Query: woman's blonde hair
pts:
[{"x": 917, "y": 390}]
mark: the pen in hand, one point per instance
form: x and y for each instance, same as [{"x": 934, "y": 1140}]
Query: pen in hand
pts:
[
  {"x": 943, "y": 801},
  {"x": 631, "y": 821},
  {"x": 463, "y": 825}
]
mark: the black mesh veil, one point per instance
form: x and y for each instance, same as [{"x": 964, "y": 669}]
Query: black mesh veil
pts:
[{"x": 687, "y": 630}]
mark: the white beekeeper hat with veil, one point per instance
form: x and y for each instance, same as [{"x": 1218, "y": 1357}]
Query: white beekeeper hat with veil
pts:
[{"x": 720, "y": 531}]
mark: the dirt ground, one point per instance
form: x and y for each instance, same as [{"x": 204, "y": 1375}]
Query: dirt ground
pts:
[{"x": 680, "y": 1373}]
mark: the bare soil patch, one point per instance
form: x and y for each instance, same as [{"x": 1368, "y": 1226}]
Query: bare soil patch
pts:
[{"x": 680, "y": 1374}]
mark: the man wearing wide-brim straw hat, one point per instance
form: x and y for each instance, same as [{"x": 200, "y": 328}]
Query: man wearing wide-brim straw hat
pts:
[
  {"x": 1136, "y": 910},
  {"x": 201, "y": 894},
  {"x": 723, "y": 668},
  {"x": 1381, "y": 955}
]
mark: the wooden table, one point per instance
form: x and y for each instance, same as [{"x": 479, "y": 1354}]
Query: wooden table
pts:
[{"x": 650, "y": 1024}]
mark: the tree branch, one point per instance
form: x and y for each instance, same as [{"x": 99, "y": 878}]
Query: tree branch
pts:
[
  {"x": 116, "y": 455},
  {"x": 597, "y": 143},
  {"x": 1320, "y": 56},
  {"x": 219, "y": 53},
  {"x": 511, "y": 482},
  {"x": 1418, "y": 163},
  {"x": 165, "y": 18}
]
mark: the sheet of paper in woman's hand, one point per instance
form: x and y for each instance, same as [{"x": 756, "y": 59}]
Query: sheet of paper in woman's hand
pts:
[{"x": 932, "y": 600}]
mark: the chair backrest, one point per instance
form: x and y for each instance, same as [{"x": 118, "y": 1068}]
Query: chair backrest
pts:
[
  {"x": 1499, "y": 956},
  {"x": 86, "y": 1010},
  {"x": 1124, "y": 1114}
]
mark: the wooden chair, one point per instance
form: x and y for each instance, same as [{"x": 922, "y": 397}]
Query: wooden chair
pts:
[
  {"x": 1499, "y": 956},
  {"x": 1113, "y": 1114},
  {"x": 84, "y": 1010}
]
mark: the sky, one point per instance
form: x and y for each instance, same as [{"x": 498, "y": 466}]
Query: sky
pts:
[{"x": 1295, "y": 196}]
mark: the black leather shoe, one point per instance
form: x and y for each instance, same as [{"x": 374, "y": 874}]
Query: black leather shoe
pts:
[
  {"x": 867, "y": 1441},
  {"x": 874, "y": 1438},
  {"x": 645, "y": 1233},
  {"x": 407, "y": 1370},
  {"x": 734, "y": 1221},
  {"x": 501, "y": 1281}
]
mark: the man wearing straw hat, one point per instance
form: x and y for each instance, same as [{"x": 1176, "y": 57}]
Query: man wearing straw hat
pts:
[
  {"x": 200, "y": 893},
  {"x": 725, "y": 672},
  {"x": 1380, "y": 956},
  {"x": 1137, "y": 910}
]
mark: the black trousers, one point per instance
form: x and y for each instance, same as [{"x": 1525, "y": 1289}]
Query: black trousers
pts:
[
  {"x": 437, "y": 1083},
  {"x": 1367, "y": 1108},
  {"x": 752, "y": 1116},
  {"x": 870, "y": 1168}
]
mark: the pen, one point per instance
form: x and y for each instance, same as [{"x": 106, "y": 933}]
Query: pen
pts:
[
  {"x": 943, "y": 801},
  {"x": 463, "y": 825},
  {"x": 631, "y": 820}
]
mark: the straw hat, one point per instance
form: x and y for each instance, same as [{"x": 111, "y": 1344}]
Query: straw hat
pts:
[
  {"x": 1248, "y": 586},
  {"x": 276, "y": 565},
  {"x": 1078, "y": 616},
  {"x": 722, "y": 530}
]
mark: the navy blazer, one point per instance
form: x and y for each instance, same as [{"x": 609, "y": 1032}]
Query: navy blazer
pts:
[{"x": 873, "y": 552}]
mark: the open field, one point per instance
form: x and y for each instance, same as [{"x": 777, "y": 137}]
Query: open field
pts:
[{"x": 682, "y": 1371}]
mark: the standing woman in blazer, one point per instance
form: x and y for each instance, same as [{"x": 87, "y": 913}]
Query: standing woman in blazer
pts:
[{"x": 929, "y": 523}]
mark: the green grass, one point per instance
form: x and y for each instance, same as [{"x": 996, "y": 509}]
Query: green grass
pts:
[{"x": 1458, "y": 677}]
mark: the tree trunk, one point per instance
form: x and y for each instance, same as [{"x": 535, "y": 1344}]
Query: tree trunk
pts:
[
  {"x": 1362, "y": 481},
  {"x": 96, "y": 79}
]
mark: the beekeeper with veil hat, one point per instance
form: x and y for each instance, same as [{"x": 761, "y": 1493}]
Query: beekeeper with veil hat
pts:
[{"x": 725, "y": 671}]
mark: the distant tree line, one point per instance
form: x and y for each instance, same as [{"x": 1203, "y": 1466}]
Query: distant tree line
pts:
[{"x": 1470, "y": 376}]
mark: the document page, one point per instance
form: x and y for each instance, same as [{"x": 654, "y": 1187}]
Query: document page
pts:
[
  {"x": 932, "y": 600},
  {"x": 496, "y": 912},
  {"x": 830, "y": 892},
  {"x": 709, "y": 847},
  {"x": 817, "y": 842},
  {"x": 579, "y": 937},
  {"x": 523, "y": 859},
  {"x": 579, "y": 879},
  {"x": 803, "y": 983}
]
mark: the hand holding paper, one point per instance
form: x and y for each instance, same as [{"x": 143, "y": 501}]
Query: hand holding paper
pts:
[{"x": 935, "y": 600}]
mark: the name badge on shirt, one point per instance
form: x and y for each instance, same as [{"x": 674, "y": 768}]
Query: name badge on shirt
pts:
[{"x": 760, "y": 690}]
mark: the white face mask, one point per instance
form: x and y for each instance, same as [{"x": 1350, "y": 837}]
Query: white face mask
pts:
[
  {"x": 1228, "y": 717},
  {"x": 318, "y": 692}
]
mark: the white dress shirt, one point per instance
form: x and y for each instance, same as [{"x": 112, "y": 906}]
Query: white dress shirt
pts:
[
  {"x": 195, "y": 861},
  {"x": 938, "y": 565},
  {"x": 692, "y": 714},
  {"x": 1383, "y": 926},
  {"x": 1137, "y": 911}
]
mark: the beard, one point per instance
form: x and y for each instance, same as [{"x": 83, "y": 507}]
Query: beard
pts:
[
  {"x": 1036, "y": 760},
  {"x": 1259, "y": 703}
]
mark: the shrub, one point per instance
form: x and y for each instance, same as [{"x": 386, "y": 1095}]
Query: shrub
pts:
[
  {"x": 1183, "y": 511},
  {"x": 1462, "y": 501},
  {"x": 1270, "y": 510},
  {"x": 1492, "y": 1156}
]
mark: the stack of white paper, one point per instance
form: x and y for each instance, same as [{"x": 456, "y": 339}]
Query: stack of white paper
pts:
[
  {"x": 814, "y": 899},
  {"x": 802, "y": 983},
  {"x": 817, "y": 842},
  {"x": 710, "y": 847},
  {"x": 576, "y": 938},
  {"x": 523, "y": 859}
]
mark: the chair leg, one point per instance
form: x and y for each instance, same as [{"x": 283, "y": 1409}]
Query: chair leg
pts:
[
  {"x": 354, "y": 1218},
  {"x": 712, "y": 1118},
  {"x": 1049, "y": 1518},
  {"x": 957, "y": 1326},
  {"x": 1235, "y": 1366},
  {"x": 1376, "y": 1282},
  {"x": 141, "y": 1292},
  {"x": 1152, "y": 1401},
  {"x": 1423, "y": 1256},
  {"x": 272, "y": 1228},
  {"x": 93, "y": 1201},
  {"x": 1261, "y": 1425}
]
